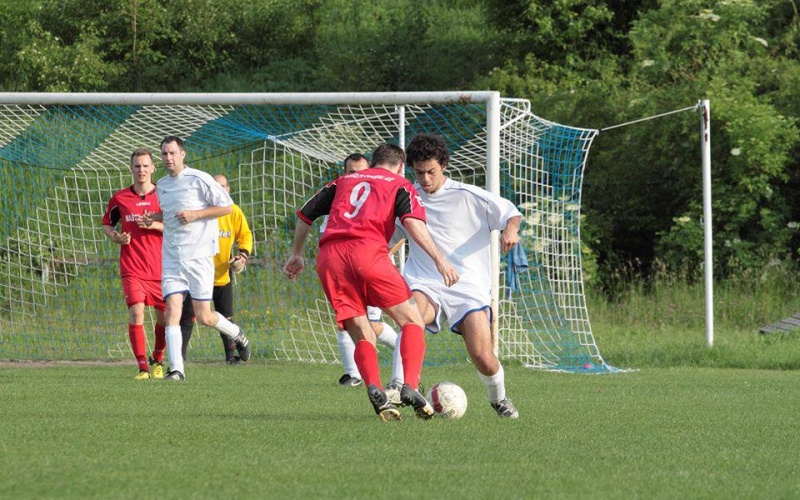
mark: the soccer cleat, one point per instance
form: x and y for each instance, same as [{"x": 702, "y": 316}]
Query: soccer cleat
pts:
[
  {"x": 385, "y": 410},
  {"x": 505, "y": 409},
  {"x": 392, "y": 391},
  {"x": 158, "y": 369},
  {"x": 174, "y": 375},
  {"x": 143, "y": 375},
  {"x": 242, "y": 346},
  {"x": 413, "y": 398},
  {"x": 348, "y": 380},
  {"x": 234, "y": 360}
]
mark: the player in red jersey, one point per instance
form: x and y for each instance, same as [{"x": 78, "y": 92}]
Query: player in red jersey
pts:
[
  {"x": 355, "y": 269},
  {"x": 139, "y": 259}
]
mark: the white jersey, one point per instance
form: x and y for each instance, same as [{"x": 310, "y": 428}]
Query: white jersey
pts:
[
  {"x": 190, "y": 190},
  {"x": 460, "y": 219}
]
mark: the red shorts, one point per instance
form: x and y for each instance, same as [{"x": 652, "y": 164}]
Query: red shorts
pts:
[
  {"x": 139, "y": 291},
  {"x": 354, "y": 273}
]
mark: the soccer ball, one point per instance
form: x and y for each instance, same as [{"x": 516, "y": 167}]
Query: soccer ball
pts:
[{"x": 449, "y": 401}]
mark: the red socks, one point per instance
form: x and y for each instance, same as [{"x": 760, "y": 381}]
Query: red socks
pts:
[
  {"x": 366, "y": 358},
  {"x": 412, "y": 349},
  {"x": 161, "y": 344},
  {"x": 136, "y": 334}
]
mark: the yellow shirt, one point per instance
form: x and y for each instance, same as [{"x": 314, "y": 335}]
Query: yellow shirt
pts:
[{"x": 232, "y": 227}]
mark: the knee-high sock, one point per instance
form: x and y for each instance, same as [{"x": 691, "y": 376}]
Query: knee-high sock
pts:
[
  {"x": 161, "y": 344},
  {"x": 136, "y": 335},
  {"x": 412, "y": 349},
  {"x": 495, "y": 385},
  {"x": 174, "y": 341},
  {"x": 388, "y": 336},
  {"x": 366, "y": 358},
  {"x": 226, "y": 327},
  {"x": 391, "y": 338},
  {"x": 346, "y": 351}
]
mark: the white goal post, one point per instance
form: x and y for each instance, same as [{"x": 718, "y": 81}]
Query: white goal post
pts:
[{"x": 64, "y": 154}]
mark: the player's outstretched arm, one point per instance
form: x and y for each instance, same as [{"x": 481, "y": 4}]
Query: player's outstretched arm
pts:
[
  {"x": 418, "y": 231},
  {"x": 510, "y": 236},
  {"x": 294, "y": 266}
]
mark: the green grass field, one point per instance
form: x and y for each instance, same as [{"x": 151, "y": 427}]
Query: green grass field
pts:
[{"x": 286, "y": 430}]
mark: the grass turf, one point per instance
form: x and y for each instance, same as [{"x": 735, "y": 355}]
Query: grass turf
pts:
[{"x": 287, "y": 430}]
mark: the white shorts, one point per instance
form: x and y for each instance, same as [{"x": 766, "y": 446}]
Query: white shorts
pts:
[
  {"x": 453, "y": 304},
  {"x": 195, "y": 276},
  {"x": 374, "y": 313}
]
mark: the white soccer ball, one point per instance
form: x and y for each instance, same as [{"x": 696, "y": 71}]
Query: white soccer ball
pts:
[{"x": 449, "y": 401}]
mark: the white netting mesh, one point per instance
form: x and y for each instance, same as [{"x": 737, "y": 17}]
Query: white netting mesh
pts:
[{"x": 60, "y": 294}]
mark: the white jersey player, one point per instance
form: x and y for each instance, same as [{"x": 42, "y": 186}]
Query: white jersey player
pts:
[
  {"x": 191, "y": 201},
  {"x": 460, "y": 219}
]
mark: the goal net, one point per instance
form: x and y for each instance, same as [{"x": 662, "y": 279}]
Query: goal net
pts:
[{"x": 63, "y": 155}]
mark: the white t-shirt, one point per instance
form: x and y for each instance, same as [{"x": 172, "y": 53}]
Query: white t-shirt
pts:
[
  {"x": 190, "y": 190},
  {"x": 460, "y": 219}
]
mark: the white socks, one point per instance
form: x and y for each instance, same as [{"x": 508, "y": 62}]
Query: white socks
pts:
[
  {"x": 347, "y": 350},
  {"x": 174, "y": 339},
  {"x": 226, "y": 327},
  {"x": 495, "y": 385},
  {"x": 390, "y": 338}
]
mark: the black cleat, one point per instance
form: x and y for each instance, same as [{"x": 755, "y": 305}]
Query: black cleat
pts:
[
  {"x": 386, "y": 411},
  {"x": 505, "y": 409},
  {"x": 413, "y": 398},
  {"x": 242, "y": 346},
  {"x": 348, "y": 380},
  {"x": 174, "y": 375}
]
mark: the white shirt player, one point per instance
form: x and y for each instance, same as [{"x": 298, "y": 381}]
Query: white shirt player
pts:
[
  {"x": 191, "y": 189},
  {"x": 460, "y": 218}
]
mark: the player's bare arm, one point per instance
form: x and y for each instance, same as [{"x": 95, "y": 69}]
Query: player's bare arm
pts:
[
  {"x": 510, "y": 236},
  {"x": 294, "y": 266},
  {"x": 156, "y": 226},
  {"x": 115, "y": 236},
  {"x": 418, "y": 231},
  {"x": 148, "y": 218},
  {"x": 189, "y": 216}
]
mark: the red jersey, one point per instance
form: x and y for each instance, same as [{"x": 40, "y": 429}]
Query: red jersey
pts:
[
  {"x": 140, "y": 258},
  {"x": 363, "y": 205}
]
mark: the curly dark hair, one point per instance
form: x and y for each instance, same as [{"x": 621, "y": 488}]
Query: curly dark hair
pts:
[{"x": 427, "y": 147}]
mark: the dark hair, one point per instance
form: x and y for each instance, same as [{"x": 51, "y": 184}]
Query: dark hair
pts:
[
  {"x": 141, "y": 152},
  {"x": 177, "y": 140},
  {"x": 388, "y": 154},
  {"x": 354, "y": 157},
  {"x": 427, "y": 147}
]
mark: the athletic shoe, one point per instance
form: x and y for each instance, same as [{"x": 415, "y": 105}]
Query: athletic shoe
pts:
[
  {"x": 158, "y": 369},
  {"x": 385, "y": 410},
  {"x": 242, "y": 345},
  {"x": 413, "y": 398},
  {"x": 174, "y": 375},
  {"x": 348, "y": 380},
  {"x": 392, "y": 391},
  {"x": 505, "y": 409},
  {"x": 234, "y": 360},
  {"x": 143, "y": 375}
]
